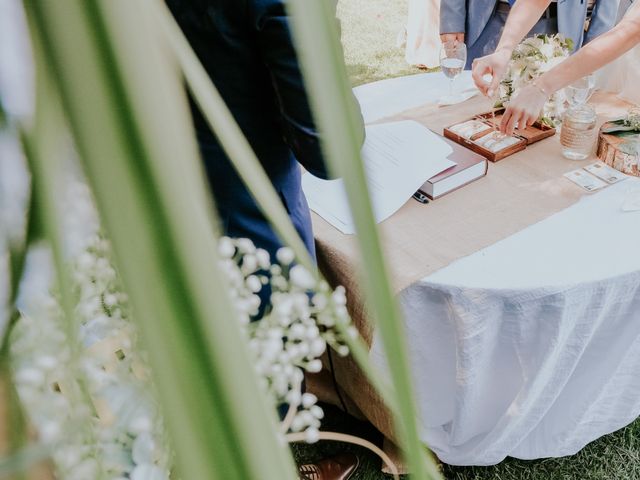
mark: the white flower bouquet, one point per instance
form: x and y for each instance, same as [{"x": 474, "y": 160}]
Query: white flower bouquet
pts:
[{"x": 533, "y": 57}]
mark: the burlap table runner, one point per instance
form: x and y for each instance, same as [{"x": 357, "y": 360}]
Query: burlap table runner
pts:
[{"x": 420, "y": 239}]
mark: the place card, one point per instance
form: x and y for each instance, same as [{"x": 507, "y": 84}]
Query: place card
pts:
[
  {"x": 585, "y": 180},
  {"x": 605, "y": 172}
]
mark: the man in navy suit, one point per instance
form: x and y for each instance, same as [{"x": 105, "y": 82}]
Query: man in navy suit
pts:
[
  {"x": 479, "y": 23},
  {"x": 247, "y": 50},
  {"x": 246, "y": 47}
]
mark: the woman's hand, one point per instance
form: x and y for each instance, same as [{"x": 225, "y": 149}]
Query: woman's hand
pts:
[
  {"x": 523, "y": 110},
  {"x": 494, "y": 65}
]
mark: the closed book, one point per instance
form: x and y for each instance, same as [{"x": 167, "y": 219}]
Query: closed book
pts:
[{"x": 469, "y": 166}]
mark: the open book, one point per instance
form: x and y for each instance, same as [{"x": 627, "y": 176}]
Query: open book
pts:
[{"x": 398, "y": 158}]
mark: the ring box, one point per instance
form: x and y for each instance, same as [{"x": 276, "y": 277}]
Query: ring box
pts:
[{"x": 479, "y": 134}]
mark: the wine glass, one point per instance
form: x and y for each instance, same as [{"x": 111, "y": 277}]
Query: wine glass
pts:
[
  {"x": 453, "y": 58},
  {"x": 580, "y": 91}
]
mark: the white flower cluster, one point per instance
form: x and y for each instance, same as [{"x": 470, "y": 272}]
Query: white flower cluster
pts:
[
  {"x": 302, "y": 316},
  {"x": 86, "y": 383},
  {"x": 530, "y": 59}
]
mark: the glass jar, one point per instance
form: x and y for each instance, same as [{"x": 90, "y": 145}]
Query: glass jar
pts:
[{"x": 578, "y": 133}]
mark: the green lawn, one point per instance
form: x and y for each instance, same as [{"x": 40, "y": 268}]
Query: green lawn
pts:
[
  {"x": 369, "y": 31},
  {"x": 613, "y": 457}
]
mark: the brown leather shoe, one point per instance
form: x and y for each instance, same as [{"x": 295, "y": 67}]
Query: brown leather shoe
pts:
[{"x": 339, "y": 467}]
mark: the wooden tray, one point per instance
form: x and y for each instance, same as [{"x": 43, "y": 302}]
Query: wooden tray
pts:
[{"x": 527, "y": 136}]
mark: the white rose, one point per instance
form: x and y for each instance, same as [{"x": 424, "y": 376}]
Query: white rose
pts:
[{"x": 547, "y": 50}]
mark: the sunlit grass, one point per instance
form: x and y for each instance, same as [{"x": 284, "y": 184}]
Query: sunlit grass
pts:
[{"x": 369, "y": 32}]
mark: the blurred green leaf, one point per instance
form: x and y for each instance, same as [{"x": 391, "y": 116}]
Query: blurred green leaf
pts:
[
  {"x": 315, "y": 31},
  {"x": 130, "y": 121}
]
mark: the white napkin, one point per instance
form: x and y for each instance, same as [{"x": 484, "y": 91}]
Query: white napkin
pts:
[{"x": 458, "y": 97}]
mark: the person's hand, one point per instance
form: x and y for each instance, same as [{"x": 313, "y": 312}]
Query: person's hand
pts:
[
  {"x": 452, "y": 37},
  {"x": 494, "y": 65},
  {"x": 523, "y": 110}
]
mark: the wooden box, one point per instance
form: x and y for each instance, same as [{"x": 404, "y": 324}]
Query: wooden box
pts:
[{"x": 471, "y": 134}]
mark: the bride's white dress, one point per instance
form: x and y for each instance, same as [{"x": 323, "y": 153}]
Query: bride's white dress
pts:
[
  {"x": 622, "y": 76},
  {"x": 423, "y": 33}
]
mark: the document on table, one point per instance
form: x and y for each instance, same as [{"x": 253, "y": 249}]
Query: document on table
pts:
[{"x": 398, "y": 158}]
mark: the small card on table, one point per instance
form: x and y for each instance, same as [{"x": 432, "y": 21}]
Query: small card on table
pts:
[
  {"x": 605, "y": 172},
  {"x": 585, "y": 180}
]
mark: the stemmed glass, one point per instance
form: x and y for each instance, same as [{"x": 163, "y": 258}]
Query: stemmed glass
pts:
[
  {"x": 580, "y": 91},
  {"x": 453, "y": 58}
]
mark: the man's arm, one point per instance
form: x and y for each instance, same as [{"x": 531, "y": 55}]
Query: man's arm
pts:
[
  {"x": 453, "y": 15},
  {"x": 279, "y": 55}
]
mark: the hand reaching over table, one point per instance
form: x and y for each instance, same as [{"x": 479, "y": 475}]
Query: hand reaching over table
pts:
[
  {"x": 527, "y": 106},
  {"x": 525, "y": 109},
  {"x": 494, "y": 66}
]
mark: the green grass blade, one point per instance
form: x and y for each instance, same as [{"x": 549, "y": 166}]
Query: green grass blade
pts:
[
  {"x": 315, "y": 31},
  {"x": 130, "y": 121}
]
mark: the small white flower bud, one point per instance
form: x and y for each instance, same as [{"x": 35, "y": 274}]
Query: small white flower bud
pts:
[
  {"x": 264, "y": 261},
  {"x": 317, "y": 412},
  {"x": 312, "y": 435},
  {"x": 339, "y": 296},
  {"x": 297, "y": 331},
  {"x": 249, "y": 263},
  {"x": 319, "y": 301},
  {"x": 303, "y": 349},
  {"x": 226, "y": 249},
  {"x": 110, "y": 300},
  {"x": 297, "y": 424},
  {"x": 140, "y": 424},
  {"x": 144, "y": 449},
  {"x": 285, "y": 256},
  {"x": 314, "y": 366},
  {"x": 254, "y": 284},
  {"x": 343, "y": 350},
  {"x": 318, "y": 347},
  {"x": 301, "y": 278},
  {"x": 245, "y": 245},
  {"x": 308, "y": 400},
  {"x": 312, "y": 332}
]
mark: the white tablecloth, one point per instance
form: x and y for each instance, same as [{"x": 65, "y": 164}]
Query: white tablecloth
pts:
[{"x": 529, "y": 348}]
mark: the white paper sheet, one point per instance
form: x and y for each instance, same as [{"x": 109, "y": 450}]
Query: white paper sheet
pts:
[{"x": 398, "y": 158}]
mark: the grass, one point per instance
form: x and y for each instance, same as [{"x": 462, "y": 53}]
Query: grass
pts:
[
  {"x": 369, "y": 32},
  {"x": 612, "y": 457}
]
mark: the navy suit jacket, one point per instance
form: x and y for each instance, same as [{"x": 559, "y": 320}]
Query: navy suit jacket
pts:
[{"x": 246, "y": 47}]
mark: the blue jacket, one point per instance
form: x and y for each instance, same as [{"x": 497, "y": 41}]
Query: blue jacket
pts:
[
  {"x": 246, "y": 47},
  {"x": 471, "y": 17}
]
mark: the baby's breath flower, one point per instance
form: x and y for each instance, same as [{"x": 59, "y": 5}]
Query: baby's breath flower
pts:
[
  {"x": 294, "y": 331},
  {"x": 285, "y": 256}
]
